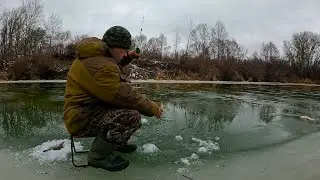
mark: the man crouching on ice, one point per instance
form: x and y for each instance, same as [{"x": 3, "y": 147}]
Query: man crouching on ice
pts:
[{"x": 99, "y": 101}]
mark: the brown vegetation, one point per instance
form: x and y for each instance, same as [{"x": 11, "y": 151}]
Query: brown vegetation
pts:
[{"x": 34, "y": 47}]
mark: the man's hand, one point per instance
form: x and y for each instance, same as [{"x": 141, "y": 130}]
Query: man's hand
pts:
[
  {"x": 133, "y": 54},
  {"x": 160, "y": 112}
]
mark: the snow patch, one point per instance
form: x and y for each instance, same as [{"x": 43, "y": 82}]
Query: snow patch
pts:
[
  {"x": 150, "y": 148},
  {"x": 54, "y": 150},
  {"x": 144, "y": 121},
  {"x": 179, "y": 138}
]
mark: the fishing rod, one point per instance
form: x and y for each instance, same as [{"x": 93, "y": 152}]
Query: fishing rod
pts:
[{"x": 140, "y": 37}]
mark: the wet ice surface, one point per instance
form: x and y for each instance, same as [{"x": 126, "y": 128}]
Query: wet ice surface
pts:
[{"x": 200, "y": 128}]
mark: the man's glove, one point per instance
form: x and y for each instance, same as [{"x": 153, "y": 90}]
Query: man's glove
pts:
[{"x": 132, "y": 54}]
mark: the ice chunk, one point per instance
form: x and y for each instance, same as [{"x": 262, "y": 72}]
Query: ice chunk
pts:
[
  {"x": 202, "y": 150},
  {"x": 144, "y": 121},
  {"x": 185, "y": 161},
  {"x": 188, "y": 160},
  {"x": 208, "y": 145},
  {"x": 54, "y": 150},
  {"x": 179, "y": 138},
  {"x": 150, "y": 148},
  {"x": 217, "y": 138},
  {"x": 181, "y": 170},
  {"x": 307, "y": 118},
  {"x": 197, "y": 140},
  {"x": 194, "y": 156}
]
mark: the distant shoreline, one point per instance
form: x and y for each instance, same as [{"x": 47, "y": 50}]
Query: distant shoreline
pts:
[{"x": 177, "y": 82}]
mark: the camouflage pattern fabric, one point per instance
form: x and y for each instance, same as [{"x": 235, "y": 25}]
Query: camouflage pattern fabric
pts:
[
  {"x": 117, "y": 37},
  {"x": 114, "y": 125}
]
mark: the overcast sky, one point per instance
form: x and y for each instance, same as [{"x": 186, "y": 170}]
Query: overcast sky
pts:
[{"x": 250, "y": 22}]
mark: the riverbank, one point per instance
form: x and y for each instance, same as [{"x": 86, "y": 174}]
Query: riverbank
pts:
[{"x": 179, "y": 82}]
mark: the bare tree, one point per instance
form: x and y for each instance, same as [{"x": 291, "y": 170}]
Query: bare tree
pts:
[
  {"x": 234, "y": 50},
  {"x": 31, "y": 17},
  {"x": 53, "y": 26},
  {"x": 11, "y": 33},
  {"x": 141, "y": 42},
  {"x": 176, "y": 42},
  {"x": 191, "y": 26},
  {"x": 153, "y": 48},
  {"x": 163, "y": 44},
  {"x": 61, "y": 39},
  {"x": 269, "y": 51},
  {"x": 200, "y": 40},
  {"x": 255, "y": 55},
  {"x": 303, "y": 51},
  {"x": 220, "y": 37}
]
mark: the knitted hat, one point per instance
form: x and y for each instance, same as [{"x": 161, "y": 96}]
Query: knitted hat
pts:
[{"x": 117, "y": 37}]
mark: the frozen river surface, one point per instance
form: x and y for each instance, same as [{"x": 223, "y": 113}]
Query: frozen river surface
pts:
[{"x": 208, "y": 130}]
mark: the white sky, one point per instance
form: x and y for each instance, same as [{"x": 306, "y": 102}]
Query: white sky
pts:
[{"x": 250, "y": 22}]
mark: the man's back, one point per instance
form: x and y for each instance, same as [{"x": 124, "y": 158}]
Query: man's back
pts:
[
  {"x": 95, "y": 79},
  {"x": 81, "y": 84}
]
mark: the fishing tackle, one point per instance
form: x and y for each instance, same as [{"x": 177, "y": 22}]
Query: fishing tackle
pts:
[{"x": 138, "y": 49}]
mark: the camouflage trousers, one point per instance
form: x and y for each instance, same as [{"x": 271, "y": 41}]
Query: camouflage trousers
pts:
[{"x": 113, "y": 125}]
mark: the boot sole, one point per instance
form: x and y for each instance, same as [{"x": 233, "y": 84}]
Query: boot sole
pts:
[{"x": 119, "y": 167}]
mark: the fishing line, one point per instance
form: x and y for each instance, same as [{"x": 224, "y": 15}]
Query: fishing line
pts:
[{"x": 140, "y": 38}]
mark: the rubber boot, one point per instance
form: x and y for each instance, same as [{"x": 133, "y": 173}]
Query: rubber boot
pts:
[
  {"x": 101, "y": 156},
  {"x": 127, "y": 148}
]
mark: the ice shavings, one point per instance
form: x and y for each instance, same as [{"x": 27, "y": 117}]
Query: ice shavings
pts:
[
  {"x": 182, "y": 170},
  {"x": 54, "y": 150},
  {"x": 206, "y": 146},
  {"x": 149, "y": 148},
  {"x": 202, "y": 150},
  {"x": 144, "y": 121},
  {"x": 186, "y": 160},
  {"x": 179, "y": 138},
  {"x": 194, "y": 156}
]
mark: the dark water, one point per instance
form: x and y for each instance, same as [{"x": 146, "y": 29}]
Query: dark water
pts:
[{"x": 243, "y": 117}]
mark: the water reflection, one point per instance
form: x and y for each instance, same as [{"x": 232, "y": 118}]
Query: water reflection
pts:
[
  {"x": 217, "y": 113},
  {"x": 22, "y": 119},
  {"x": 267, "y": 113}
]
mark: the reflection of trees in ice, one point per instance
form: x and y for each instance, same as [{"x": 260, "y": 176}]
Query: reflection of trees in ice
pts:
[
  {"x": 21, "y": 119},
  {"x": 218, "y": 113},
  {"x": 267, "y": 113},
  {"x": 205, "y": 116}
]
